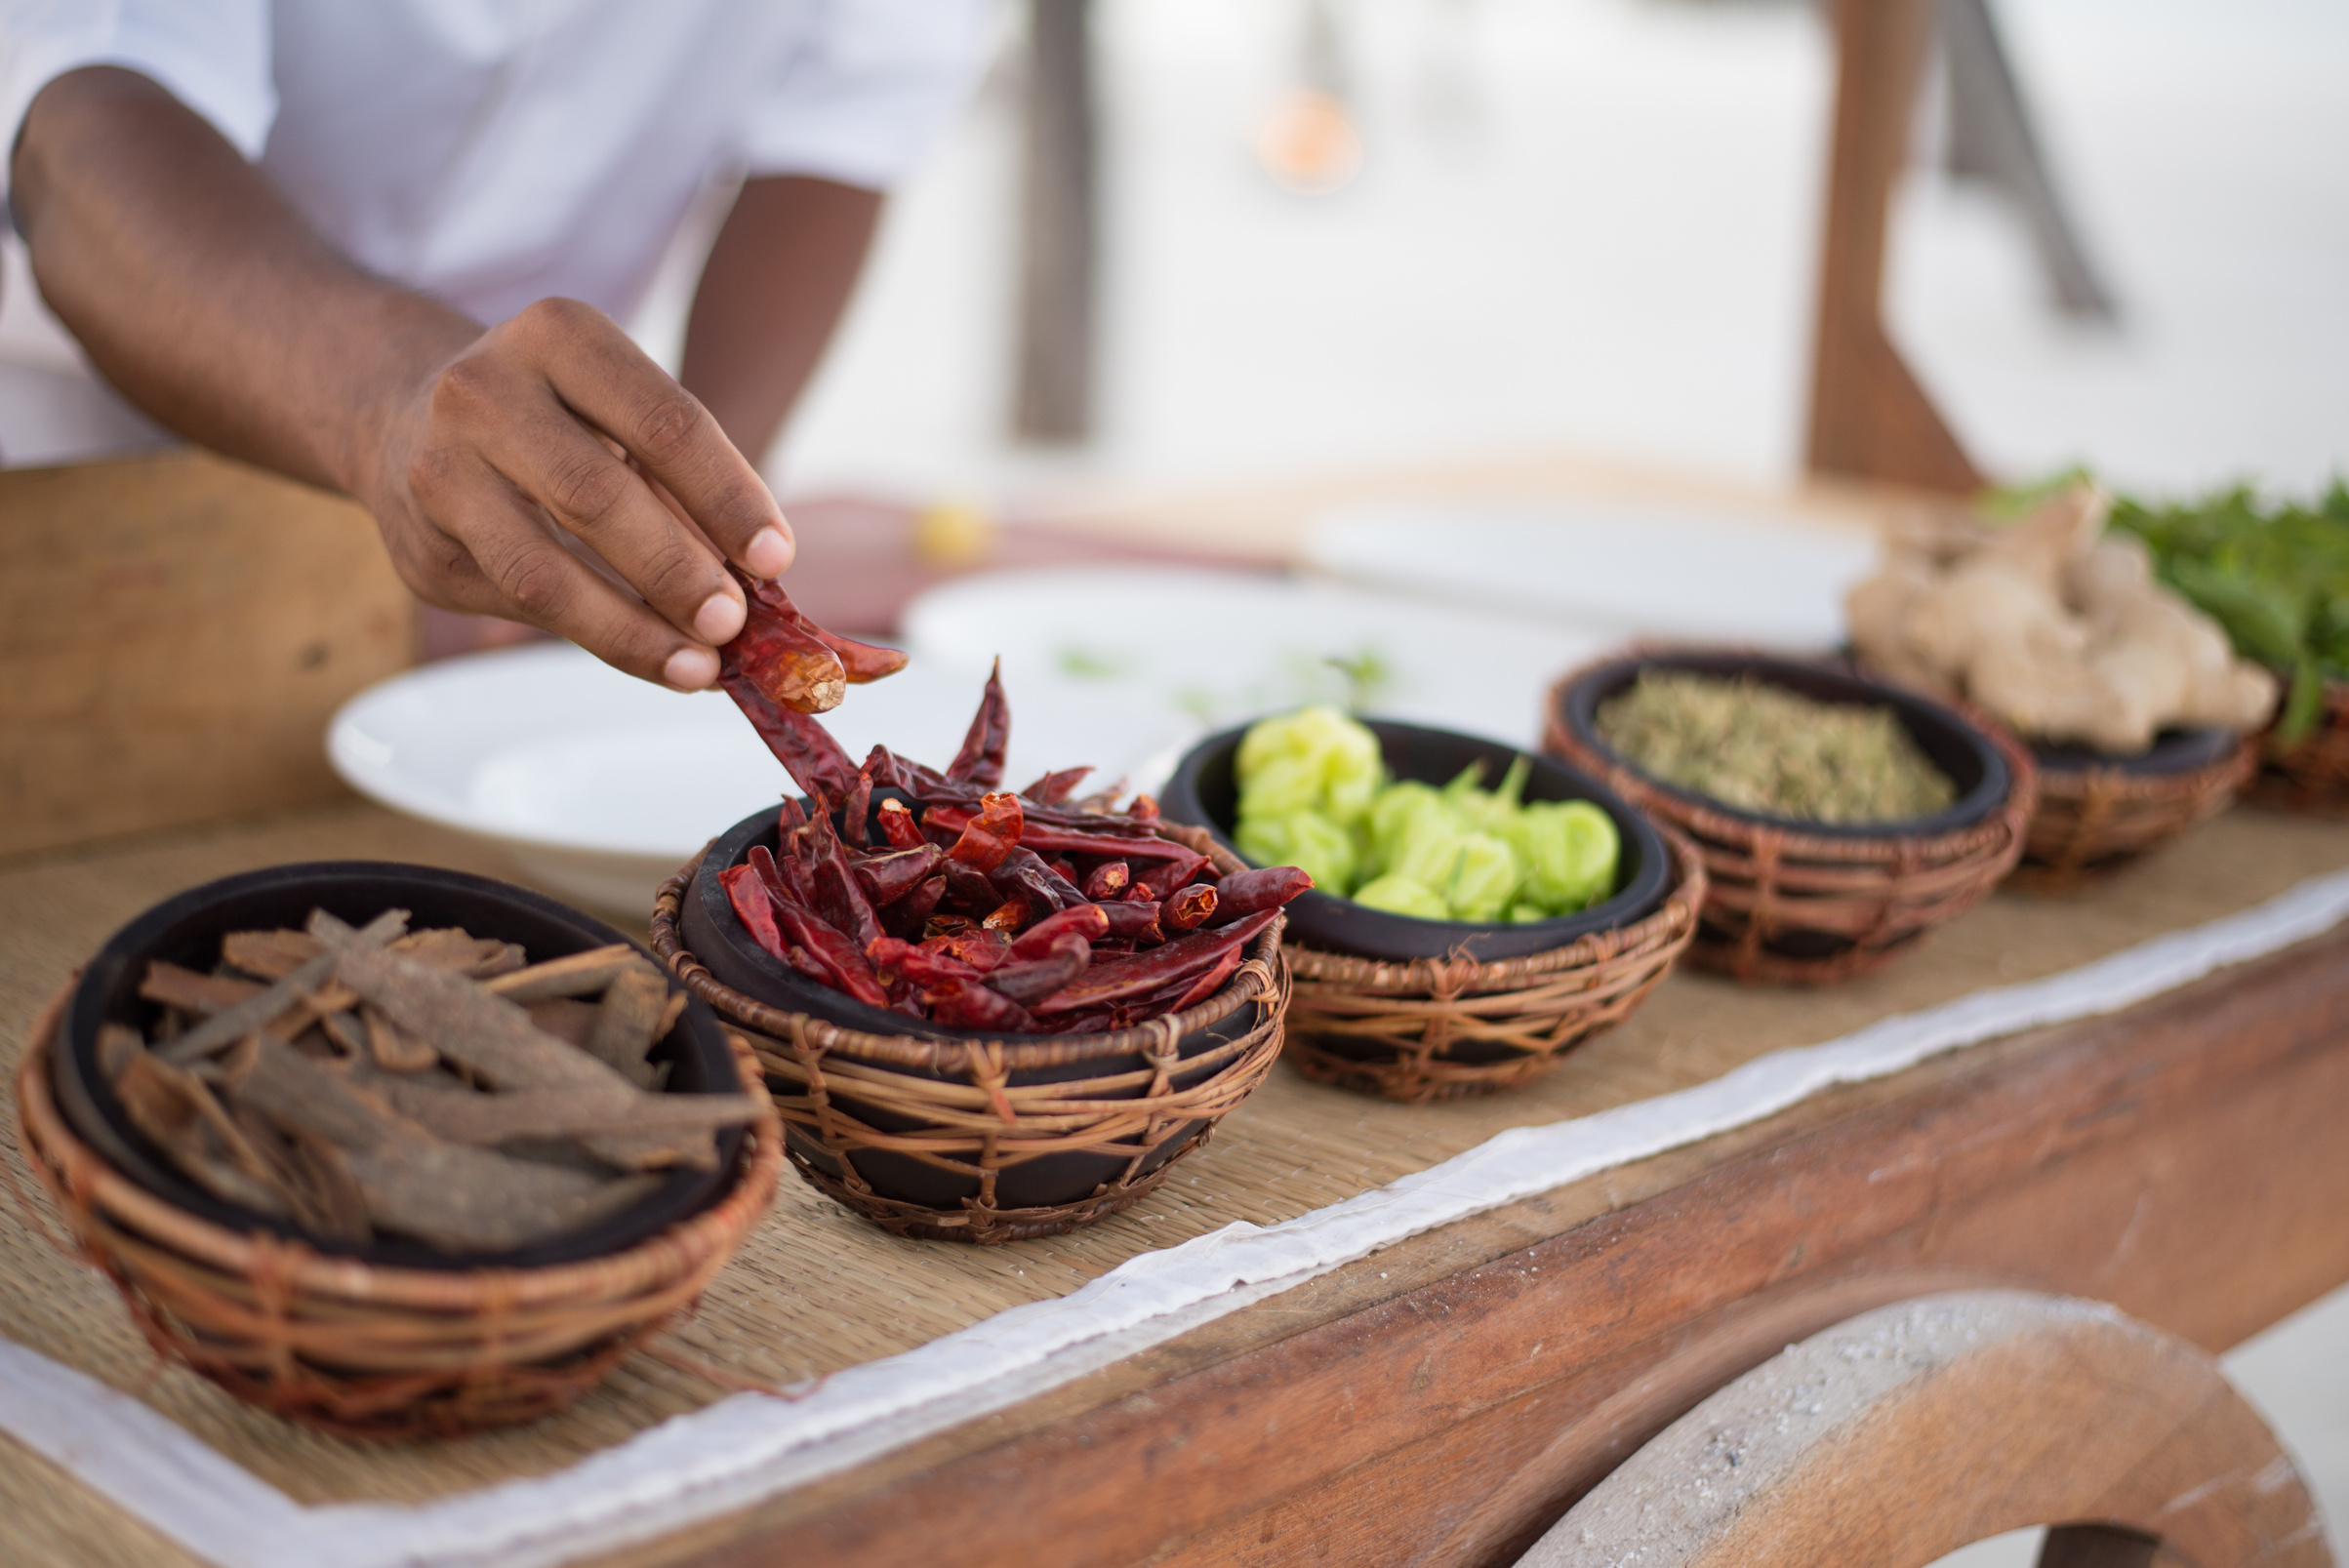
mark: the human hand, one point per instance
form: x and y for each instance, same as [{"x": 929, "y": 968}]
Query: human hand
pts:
[{"x": 553, "y": 424}]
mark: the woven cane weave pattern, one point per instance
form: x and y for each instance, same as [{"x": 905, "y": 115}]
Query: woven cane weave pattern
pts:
[
  {"x": 1785, "y": 907},
  {"x": 363, "y": 1350},
  {"x": 846, "y": 1092},
  {"x": 2092, "y": 821},
  {"x": 1437, "y": 1027}
]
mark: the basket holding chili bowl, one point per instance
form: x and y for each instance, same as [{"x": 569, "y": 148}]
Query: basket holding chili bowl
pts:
[{"x": 984, "y": 1014}]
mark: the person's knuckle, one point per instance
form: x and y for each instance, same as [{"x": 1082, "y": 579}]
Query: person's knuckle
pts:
[
  {"x": 535, "y": 581},
  {"x": 587, "y": 486},
  {"x": 464, "y": 387},
  {"x": 667, "y": 426},
  {"x": 431, "y": 471}
]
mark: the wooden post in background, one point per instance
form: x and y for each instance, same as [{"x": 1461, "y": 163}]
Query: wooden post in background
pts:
[
  {"x": 1869, "y": 418},
  {"x": 1058, "y": 271}
]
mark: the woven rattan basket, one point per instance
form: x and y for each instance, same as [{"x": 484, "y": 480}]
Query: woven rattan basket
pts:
[
  {"x": 1434, "y": 1028},
  {"x": 2312, "y": 774},
  {"x": 2090, "y": 821},
  {"x": 947, "y": 1114},
  {"x": 364, "y": 1351},
  {"x": 1783, "y": 907}
]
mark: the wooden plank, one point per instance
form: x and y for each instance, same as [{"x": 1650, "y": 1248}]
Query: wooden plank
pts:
[
  {"x": 2178, "y": 1161},
  {"x": 1869, "y": 418},
  {"x": 175, "y": 632}
]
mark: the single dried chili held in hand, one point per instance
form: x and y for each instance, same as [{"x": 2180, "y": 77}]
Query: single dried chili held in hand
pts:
[
  {"x": 864, "y": 662},
  {"x": 1187, "y": 909},
  {"x": 1033, "y": 979},
  {"x": 805, "y": 748},
  {"x": 777, "y": 655},
  {"x": 980, "y": 760},
  {"x": 1085, "y": 919},
  {"x": 1146, "y": 972},
  {"x": 770, "y": 608},
  {"x": 1262, "y": 888}
]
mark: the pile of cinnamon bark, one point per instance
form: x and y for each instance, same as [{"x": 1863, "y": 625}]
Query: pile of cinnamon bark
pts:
[{"x": 430, "y": 1084}]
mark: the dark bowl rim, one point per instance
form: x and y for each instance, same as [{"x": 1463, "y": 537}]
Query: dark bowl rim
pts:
[
  {"x": 2174, "y": 753},
  {"x": 1574, "y": 700},
  {"x": 1636, "y": 901},
  {"x": 75, "y": 1039},
  {"x": 1021, "y": 1052}
]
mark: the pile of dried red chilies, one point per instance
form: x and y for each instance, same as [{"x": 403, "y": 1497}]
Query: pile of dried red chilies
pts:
[{"x": 946, "y": 897}]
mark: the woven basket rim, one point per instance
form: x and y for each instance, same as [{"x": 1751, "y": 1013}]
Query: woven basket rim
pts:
[
  {"x": 1254, "y": 981},
  {"x": 2119, "y": 783},
  {"x": 1904, "y": 850},
  {"x": 713, "y": 1231},
  {"x": 1683, "y": 901}
]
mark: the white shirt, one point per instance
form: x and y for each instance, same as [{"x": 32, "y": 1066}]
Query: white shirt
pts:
[{"x": 493, "y": 152}]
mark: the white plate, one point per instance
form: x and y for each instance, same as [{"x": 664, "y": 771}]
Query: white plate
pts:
[
  {"x": 1148, "y": 659},
  {"x": 1625, "y": 570},
  {"x": 597, "y": 785}
]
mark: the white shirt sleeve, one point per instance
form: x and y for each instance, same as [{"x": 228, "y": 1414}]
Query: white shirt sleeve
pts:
[
  {"x": 211, "y": 54},
  {"x": 863, "y": 97}
]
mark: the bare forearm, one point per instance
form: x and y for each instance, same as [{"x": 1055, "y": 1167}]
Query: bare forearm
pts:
[
  {"x": 772, "y": 290},
  {"x": 202, "y": 295},
  {"x": 488, "y": 456}
]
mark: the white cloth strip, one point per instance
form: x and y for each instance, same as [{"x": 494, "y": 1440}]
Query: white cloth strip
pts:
[{"x": 747, "y": 1447}]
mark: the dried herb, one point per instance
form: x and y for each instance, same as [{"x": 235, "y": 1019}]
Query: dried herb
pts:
[{"x": 1761, "y": 748}]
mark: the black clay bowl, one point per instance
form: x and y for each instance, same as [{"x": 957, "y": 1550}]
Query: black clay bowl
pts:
[
  {"x": 715, "y": 934},
  {"x": 1949, "y": 741},
  {"x": 186, "y": 930},
  {"x": 1203, "y": 792},
  {"x": 2172, "y": 752}
]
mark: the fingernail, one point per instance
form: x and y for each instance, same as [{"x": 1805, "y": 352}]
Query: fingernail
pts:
[
  {"x": 769, "y": 552},
  {"x": 718, "y": 619},
  {"x": 690, "y": 670}
]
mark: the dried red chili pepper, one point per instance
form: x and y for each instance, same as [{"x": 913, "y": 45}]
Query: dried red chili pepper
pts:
[
  {"x": 1208, "y": 983},
  {"x": 1032, "y": 979},
  {"x": 749, "y": 895},
  {"x": 836, "y": 952},
  {"x": 1134, "y": 920},
  {"x": 1054, "y": 788},
  {"x": 1011, "y": 917},
  {"x": 864, "y": 663},
  {"x": 1144, "y": 809},
  {"x": 948, "y": 925},
  {"x": 1038, "y": 833},
  {"x": 1083, "y": 920},
  {"x": 920, "y": 967},
  {"x": 1108, "y": 880},
  {"x": 838, "y": 900},
  {"x": 786, "y": 888},
  {"x": 968, "y": 892},
  {"x": 910, "y": 916},
  {"x": 979, "y": 849},
  {"x": 805, "y": 748},
  {"x": 978, "y": 946},
  {"x": 887, "y": 878},
  {"x": 856, "y": 812},
  {"x": 980, "y": 760},
  {"x": 897, "y": 824},
  {"x": 1183, "y": 958},
  {"x": 1066, "y": 869},
  {"x": 1024, "y": 872},
  {"x": 965, "y": 1004},
  {"x": 1162, "y": 880},
  {"x": 1187, "y": 909},
  {"x": 1263, "y": 888},
  {"x": 784, "y": 664}
]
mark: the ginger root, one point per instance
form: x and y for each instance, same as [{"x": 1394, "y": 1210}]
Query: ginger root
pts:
[{"x": 2057, "y": 632}]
